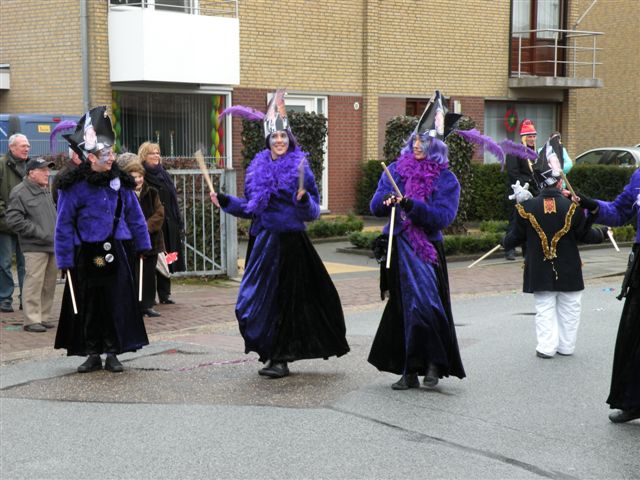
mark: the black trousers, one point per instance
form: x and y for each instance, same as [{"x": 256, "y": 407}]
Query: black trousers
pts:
[
  {"x": 148, "y": 280},
  {"x": 164, "y": 286}
]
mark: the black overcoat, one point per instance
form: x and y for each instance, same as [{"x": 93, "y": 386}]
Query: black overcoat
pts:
[{"x": 551, "y": 226}]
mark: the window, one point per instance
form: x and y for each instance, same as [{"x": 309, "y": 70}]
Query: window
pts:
[
  {"x": 543, "y": 116},
  {"x": 520, "y": 20},
  {"x": 180, "y": 123},
  {"x": 548, "y": 17}
]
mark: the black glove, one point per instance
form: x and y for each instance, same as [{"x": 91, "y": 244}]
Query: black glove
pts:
[
  {"x": 502, "y": 241},
  {"x": 588, "y": 203},
  {"x": 304, "y": 198},
  {"x": 406, "y": 204},
  {"x": 605, "y": 232},
  {"x": 223, "y": 200},
  {"x": 145, "y": 253}
]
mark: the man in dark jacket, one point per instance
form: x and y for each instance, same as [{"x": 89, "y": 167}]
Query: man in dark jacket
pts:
[
  {"x": 520, "y": 170},
  {"x": 32, "y": 215},
  {"x": 12, "y": 171},
  {"x": 551, "y": 226}
]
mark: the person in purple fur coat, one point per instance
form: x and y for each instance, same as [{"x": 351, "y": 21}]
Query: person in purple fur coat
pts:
[
  {"x": 100, "y": 228},
  {"x": 416, "y": 335},
  {"x": 288, "y": 308},
  {"x": 624, "y": 393}
]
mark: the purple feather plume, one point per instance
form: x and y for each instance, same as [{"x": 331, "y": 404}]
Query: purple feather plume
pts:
[
  {"x": 488, "y": 143},
  {"x": 518, "y": 149},
  {"x": 66, "y": 125},
  {"x": 244, "y": 112}
]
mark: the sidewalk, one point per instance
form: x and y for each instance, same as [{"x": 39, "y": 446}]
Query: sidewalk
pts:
[{"x": 203, "y": 308}]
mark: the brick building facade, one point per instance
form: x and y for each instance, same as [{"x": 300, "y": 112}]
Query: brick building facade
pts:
[{"x": 365, "y": 59}]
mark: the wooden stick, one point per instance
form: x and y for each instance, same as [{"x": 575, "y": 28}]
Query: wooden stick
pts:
[
  {"x": 390, "y": 245},
  {"x": 140, "y": 281},
  {"x": 301, "y": 175},
  {"x": 203, "y": 169},
  {"x": 610, "y": 234},
  {"x": 386, "y": 170},
  {"x": 485, "y": 255},
  {"x": 73, "y": 295},
  {"x": 564, "y": 178}
]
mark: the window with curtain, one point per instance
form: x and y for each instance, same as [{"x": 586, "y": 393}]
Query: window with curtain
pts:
[
  {"x": 548, "y": 16},
  {"x": 543, "y": 115},
  {"x": 520, "y": 19}
]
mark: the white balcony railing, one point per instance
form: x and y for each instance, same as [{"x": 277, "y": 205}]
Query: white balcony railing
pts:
[
  {"x": 575, "y": 50},
  {"x": 184, "y": 41}
]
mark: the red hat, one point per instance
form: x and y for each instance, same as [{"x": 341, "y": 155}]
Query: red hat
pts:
[{"x": 527, "y": 128}]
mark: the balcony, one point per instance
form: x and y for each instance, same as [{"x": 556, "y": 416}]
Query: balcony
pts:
[
  {"x": 554, "y": 59},
  {"x": 154, "y": 42}
]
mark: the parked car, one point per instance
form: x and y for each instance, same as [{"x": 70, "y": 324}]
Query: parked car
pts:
[{"x": 623, "y": 156}]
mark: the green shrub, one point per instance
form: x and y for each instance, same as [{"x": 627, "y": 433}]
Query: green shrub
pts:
[
  {"x": 626, "y": 233},
  {"x": 460, "y": 155},
  {"x": 604, "y": 182},
  {"x": 367, "y": 185},
  {"x": 458, "y": 244},
  {"x": 334, "y": 227},
  {"x": 363, "y": 239},
  {"x": 490, "y": 194},
  {"x": 494, "y": 226},
  {"x": 398, "y": 130}
]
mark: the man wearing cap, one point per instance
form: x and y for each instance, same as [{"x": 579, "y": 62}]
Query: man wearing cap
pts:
[
  {"x": 520, "y": 169},
  {"x": 32, "y": 215},
  {"x": 12, "y": 171},
  {"x": 551, "y": 228}
]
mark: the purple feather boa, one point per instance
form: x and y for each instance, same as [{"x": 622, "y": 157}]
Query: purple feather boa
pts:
[
  {"x": 266, "y": 176},
  {"x": 486, "y": 142},
  {"x": 419, "y": 177},
  {"x": 518, "y": 150},
  {"x": 244, "y": 112}
]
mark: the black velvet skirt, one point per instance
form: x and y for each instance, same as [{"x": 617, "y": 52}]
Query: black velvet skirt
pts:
[
  {"x": 625, "y": 377},
  {"x": 109, "y": 319}
]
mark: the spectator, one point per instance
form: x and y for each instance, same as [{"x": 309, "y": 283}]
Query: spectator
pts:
[
  {"x": 173, "y": 227},
  {"x": 32, "y": 215},
  {"x": 12, "y": 171},
  {"x": 154, "y": 213}
]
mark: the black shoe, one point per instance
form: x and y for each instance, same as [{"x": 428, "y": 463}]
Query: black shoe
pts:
[
  {"x": 432, "y": 377},
  {"x": 543, "y": 355},
  {"x": 167, "y": 301},
  {"x": 274, "y": 370},
  {"x": 113, "y": 364},
  {"x": 92, "y": 363},
  {"x": 406, "y": 382},
  {"x": 20, "y": 305},
  {"x": 34, "y": 328},
  {"x": 48, "y": 325},
  {"x": 150, "y": 312},
  {"x": 623, "y": 416},
  {"x": 6, "y": 308}
]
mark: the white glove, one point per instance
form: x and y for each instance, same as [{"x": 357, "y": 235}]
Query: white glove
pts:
[
  {"x": 520, "y": 193},
  {"x": 638, "y": 201}
]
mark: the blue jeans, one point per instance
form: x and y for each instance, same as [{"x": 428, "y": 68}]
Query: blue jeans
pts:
[{"x": 8, "y": 245}]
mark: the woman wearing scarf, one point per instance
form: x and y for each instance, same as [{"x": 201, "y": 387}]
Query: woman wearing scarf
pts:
[
  {"x": 416, "y": 335},
  {"x": 173, "y": 227},
  {"x": 288, "y": 308}
]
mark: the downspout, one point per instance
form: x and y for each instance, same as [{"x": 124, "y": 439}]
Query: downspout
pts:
[{"x": 84, "y": 40}]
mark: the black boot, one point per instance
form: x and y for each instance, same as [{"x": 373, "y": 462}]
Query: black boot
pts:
[
  {"x": 92, "y": 363},
  {"x": 623, "y": 416},
  {"x": 432, "y": 376},
  {"x": 406, "y": 382},
  {"x": 113, "y": 364},
  {"x": 274, "y": 369}
]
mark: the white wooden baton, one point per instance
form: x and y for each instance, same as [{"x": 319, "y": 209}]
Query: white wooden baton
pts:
[
  {"x": 485, "y": 255},
  {"x": 395, "y": 187},
  {"x": 610, "y": 234},
  {"x": 390, "y": 245},
  {"x": 140, "y": 282},
  {"x": 73, "y": 295}
]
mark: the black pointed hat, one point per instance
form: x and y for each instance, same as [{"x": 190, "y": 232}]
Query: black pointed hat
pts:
[
  {"x": 435, "y": 120},
  {"x": 93, "y": 133},
  {"x": 548, "y": 167}
]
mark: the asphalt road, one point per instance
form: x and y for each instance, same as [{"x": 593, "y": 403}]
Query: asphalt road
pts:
[{"x": 192, "y": 406}]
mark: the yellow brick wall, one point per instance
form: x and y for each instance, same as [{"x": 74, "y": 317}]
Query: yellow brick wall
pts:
[
  {"x": 304, "y": 45},
  {"x": 99, "y": 84},
  {"x": 609, "y": 116},
  {"x": 457, "y": 47},
  {"x": 40, "y": 40}
]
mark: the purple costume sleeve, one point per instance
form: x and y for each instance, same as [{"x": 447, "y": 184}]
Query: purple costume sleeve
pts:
[
  {"x": 441, "y": 208},
  {"x": 622, "y": 209}
]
